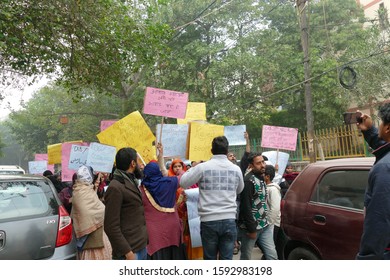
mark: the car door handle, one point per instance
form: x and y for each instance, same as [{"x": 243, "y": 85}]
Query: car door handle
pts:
[
  {"x": 2, "y": 239},
  {"x": 319, "y": 219}
]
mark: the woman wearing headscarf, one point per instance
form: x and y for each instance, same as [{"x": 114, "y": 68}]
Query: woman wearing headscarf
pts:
[
  {"x": 176, "y": 169},
  {"x": 88, "y": 218},
  {"x": 162, "y": 220}
]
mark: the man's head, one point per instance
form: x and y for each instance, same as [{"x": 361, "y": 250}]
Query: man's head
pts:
[
  {"x": 232, "y": 157},
  {"x": 257, "y": 163},
  {"x": 384, "y": 126},
  {"x": 126, "y": 160},
  {"x": 269, "y": 173},
  {"x": 47, "y": 173},
  {"x": 220, "y": 146}
]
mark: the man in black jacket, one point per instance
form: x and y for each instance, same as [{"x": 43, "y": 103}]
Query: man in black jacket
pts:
[{"x": 375, "y": 241}]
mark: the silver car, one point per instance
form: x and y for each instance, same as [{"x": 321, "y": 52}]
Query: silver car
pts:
[{"x": 33, "y": 223}]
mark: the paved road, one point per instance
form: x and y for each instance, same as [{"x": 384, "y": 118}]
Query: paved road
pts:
[{"x": 256, "y": 254}]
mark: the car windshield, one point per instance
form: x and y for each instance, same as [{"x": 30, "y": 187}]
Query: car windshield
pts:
[{"x": 22, "y": 199}]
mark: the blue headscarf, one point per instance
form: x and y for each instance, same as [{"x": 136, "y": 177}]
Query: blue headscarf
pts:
[{"x": 163, "y": 189}]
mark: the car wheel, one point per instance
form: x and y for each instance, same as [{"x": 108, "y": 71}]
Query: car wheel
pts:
[{"x": 302, "y": 254}]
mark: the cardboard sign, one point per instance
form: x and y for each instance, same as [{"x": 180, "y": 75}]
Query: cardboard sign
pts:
[
  {"x": 130, "y": 131},
  {"x": 196, "y": 111},
  {"x": 235, "y": 134},
  {"x": 78, "y": 156},
  {"x": 105, "y": 124},
  {"x": 193, "y": 216},
  {"x": 201, "y": 136},
  {"x": 37, "y": 167},
  {"x": 174, "y": 139},
  {"x": 66, "y": 172},
  {"x": 165, "y": 103},
  {"x": 101, "y": 157},
  {"x": 54, "y": 152},
  {"x": 39, "y": 157},
  {"x": 277, "y": 157},
  {"x": 278, "y": 137}
]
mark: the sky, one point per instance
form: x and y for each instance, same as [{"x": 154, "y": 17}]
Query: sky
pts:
[{"x": 14, "y": 96}]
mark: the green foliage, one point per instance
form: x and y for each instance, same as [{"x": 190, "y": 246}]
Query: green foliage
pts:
[
  {"x": 2, "y": 145},
  {"x": 101, "y": 44},
  {"x": 38, "y": 125},
  {"x": 245, "y": 59}
]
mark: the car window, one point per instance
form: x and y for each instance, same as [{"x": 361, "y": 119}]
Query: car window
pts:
[
  {"x": 19, "y": 199},
  {"x": 342, "y": 188}
]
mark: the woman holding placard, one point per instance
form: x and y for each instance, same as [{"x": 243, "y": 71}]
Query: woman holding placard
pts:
[
  {"x": 177, "y": 168},
  {"x": 162, "y": 220}
]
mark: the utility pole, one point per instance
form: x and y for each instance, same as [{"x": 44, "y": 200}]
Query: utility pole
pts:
[{"x": 302, "y": 6}]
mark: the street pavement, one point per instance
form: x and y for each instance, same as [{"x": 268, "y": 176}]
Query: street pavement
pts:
[{"x": 256, "y": 254}]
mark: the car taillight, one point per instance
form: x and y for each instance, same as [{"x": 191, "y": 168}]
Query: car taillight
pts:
[{"x": 65, "y": 228}]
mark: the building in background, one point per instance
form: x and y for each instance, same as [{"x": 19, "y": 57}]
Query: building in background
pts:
[{"x": 373, "y": 8}]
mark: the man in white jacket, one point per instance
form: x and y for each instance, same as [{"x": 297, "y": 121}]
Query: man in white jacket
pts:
[
  {"x": 273, "y": 200},
  {"x": 219, "y": 181}
]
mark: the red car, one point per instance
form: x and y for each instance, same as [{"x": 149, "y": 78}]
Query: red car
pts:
[{"x": 322, "y": 212}]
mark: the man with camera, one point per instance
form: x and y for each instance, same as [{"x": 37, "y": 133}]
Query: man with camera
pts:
[{"x": 375, "y": 240}]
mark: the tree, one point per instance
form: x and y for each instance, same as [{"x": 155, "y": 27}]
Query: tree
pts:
[
  {"x": 38, "y": 125},
  {"x": 105, "y": 44},
  {"x": 245, "y": 59},
  {"x": 2, "y": 146}
]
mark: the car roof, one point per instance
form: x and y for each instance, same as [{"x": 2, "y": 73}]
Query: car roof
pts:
[
  {"x": 10, "y": 167},
  {"x": 21, "y": 177},
  {"x": 358, "y": 161}
]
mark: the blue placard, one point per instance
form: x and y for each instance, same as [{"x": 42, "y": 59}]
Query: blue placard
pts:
[
  {"x": 174, "y": 139},
  {"x": 78, "y": 156},
  {"x": 101, "y": 157},
  {"x": 37, "y": 167},
  {"x": 235, "y": 134}
]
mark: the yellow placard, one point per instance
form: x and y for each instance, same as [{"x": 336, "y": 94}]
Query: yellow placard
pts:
[
  {"x": 201, "y": 136},
  {"x": 54, "y": 152},
  {"x": 196, "y": 111},
  {"x": 130, "y": 131}
]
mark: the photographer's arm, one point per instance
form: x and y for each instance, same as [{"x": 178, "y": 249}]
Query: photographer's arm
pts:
[{"x": 370, "y": 132}]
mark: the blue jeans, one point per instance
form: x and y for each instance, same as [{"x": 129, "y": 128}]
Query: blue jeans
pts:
[
  {"x": 140, "y": 255},
  {"x": 218, "y": 239},
  {"x": 266, "y": 240}
]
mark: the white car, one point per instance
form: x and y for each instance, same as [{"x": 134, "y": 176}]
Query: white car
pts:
[{"x": 11, "y": 169}]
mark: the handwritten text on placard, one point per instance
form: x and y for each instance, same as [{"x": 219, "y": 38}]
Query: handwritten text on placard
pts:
[
  {"x": 37, "y": 167},
  {"x": 78, "y": 156},
  {"x": 165, "y": 103},
  {"x": 101, "y": 157},
  {"x": 278, "y": 137},
  {"x": 174, "y": 139}
]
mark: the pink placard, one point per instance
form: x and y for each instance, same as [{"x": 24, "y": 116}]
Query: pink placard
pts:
[
  {"x": 39, "y": 157},
  {"x": 106, "y": 123},
  {"x": 279, "y": 137},
  {"x": 66, "y": 173},
  {"x": 165, "y": 103}
]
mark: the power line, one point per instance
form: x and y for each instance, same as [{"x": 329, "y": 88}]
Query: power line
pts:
[
  {"x": 199, "y": 16},
  {"x": 320, "y": 75}
]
